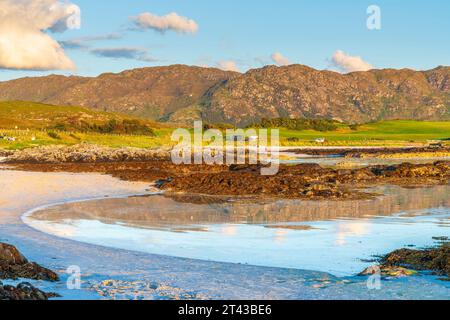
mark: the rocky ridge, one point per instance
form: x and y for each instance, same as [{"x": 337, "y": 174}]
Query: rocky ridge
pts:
[{"x": 184, "y": 93}]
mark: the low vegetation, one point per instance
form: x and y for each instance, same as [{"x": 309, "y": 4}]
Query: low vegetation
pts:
[
  {"x": 30, "y": 115},
  {"x": 298, "y": 124},
  {"x": 124, "y": 126},
  {"x": 27, "y": 124}
]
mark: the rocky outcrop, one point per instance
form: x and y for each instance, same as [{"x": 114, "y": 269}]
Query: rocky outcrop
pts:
[
  {"x": 310, "y": 181},
  {"x": 434, "y": 259},
  {"x": 24, "y": 291},
  {"x": 84, "y": 153},
  {"x": 13, "y": 265},
  {"x": 407, "y": 262},
  {"x": 303, "y": 181},
  {"x": 185, "y": 93}
]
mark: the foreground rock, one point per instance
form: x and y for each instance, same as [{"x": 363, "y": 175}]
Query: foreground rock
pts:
[
  {"x": 306, "y": 180},
  {"x": 407, "y": 262},
  {"x": 434, "y": 259},
  {"x": 13, "y": 265},
  {"x": 24, "y": 291},
  {"x": 83, "y": 153}
]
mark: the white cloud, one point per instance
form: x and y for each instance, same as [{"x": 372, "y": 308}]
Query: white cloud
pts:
[
  {"x": 347, "y": 63},
  {"x": 280, "y": 60},
  {"x": 171, "y": 21},
  {"x": 228, "y": 65},
  {"x": 24, "y": 42}
]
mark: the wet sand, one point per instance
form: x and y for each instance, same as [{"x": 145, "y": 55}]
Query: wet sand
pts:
[
  {"x": 149, "y": 276},
  {"x": 277, "y": 233}
]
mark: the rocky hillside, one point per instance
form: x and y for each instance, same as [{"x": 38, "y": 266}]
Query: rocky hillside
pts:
[
  {"x": 298, "y": 91},
  {"x": 153, "y": 93},
  {"x": 182, "y": 93}
]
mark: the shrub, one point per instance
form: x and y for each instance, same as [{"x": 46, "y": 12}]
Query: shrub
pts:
[
  {"x": 298, "y": 124},
  {"x": 75, "y": 136},
  {"x": 60, "y": 127},
  {"x": 54, "y": 135},
  {"x": 126, "y": 126},
  {"x": 219, "y": 126}
]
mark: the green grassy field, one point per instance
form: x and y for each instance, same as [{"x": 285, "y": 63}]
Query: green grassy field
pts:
[
  {"x": 33, "y": 124},
  {"x": 399, "y": 132},
  {"x": 30, "y": 115},
  {"x": 35, "y": 138}
]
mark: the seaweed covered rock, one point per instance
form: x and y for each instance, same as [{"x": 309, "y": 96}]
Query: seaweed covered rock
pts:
[
  {"x": 24, "y": 291},
  {"x": 301, "y": 181},
  {"x": 434, "y": 259},
  {"x": 14, "y": 265}
]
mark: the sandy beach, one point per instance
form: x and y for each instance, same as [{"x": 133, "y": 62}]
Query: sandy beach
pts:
[{"x": 121, "y": 274}]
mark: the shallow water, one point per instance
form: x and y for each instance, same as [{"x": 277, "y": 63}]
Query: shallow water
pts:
[
  {"x": 338, "y": 161},
  {"x": 328, "y": 236}
]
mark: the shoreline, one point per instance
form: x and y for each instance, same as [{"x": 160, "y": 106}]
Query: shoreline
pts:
[
  {"x": 304, "y": 182},
  {"x": 129, "y": 220},
  {"x": 173, "y": 276},
  {"x": 299, "y": 181}
]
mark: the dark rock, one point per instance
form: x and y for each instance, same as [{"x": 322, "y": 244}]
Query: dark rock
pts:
[
  {"x": 291, "y": 181},
  {"x": 433, "y": 259},
  {"x": 24, "y": 291},
  {"x": 14, "y": 265}
]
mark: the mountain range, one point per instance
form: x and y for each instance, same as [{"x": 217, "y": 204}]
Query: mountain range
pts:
[{"x": 182, "y": 93}]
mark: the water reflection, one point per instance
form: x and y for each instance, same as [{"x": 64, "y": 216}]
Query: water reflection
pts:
[
  {"x": 190, "y": 213},
  {"x": 342, "y": 162},
  {"x": 325, "y": 236}
]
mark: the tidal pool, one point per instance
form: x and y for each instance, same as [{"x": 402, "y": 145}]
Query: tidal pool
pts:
[
  {"x": 338, "y": 237},
  {"x": 339, "y": 161}
]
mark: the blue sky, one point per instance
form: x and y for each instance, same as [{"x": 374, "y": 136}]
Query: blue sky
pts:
[{"x": 414, "y": 34}]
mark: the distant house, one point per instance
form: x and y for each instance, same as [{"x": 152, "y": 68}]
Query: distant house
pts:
[{"x": 320, "y": 140}]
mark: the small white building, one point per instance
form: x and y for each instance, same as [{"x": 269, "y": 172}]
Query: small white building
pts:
[{"x": 320, "y": 140}]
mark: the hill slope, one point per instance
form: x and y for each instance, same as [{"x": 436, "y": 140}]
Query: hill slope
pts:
[
  {"x": 182, "y": 93},
  {"x": 298, "y": 91},
  {"x": 32, "y": 115},
  {"x": 149, "y": 92}
]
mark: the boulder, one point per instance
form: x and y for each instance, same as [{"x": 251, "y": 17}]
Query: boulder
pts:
[
  {"x": 14, "y": 265},
  {"x": 24, "y": 291}
]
